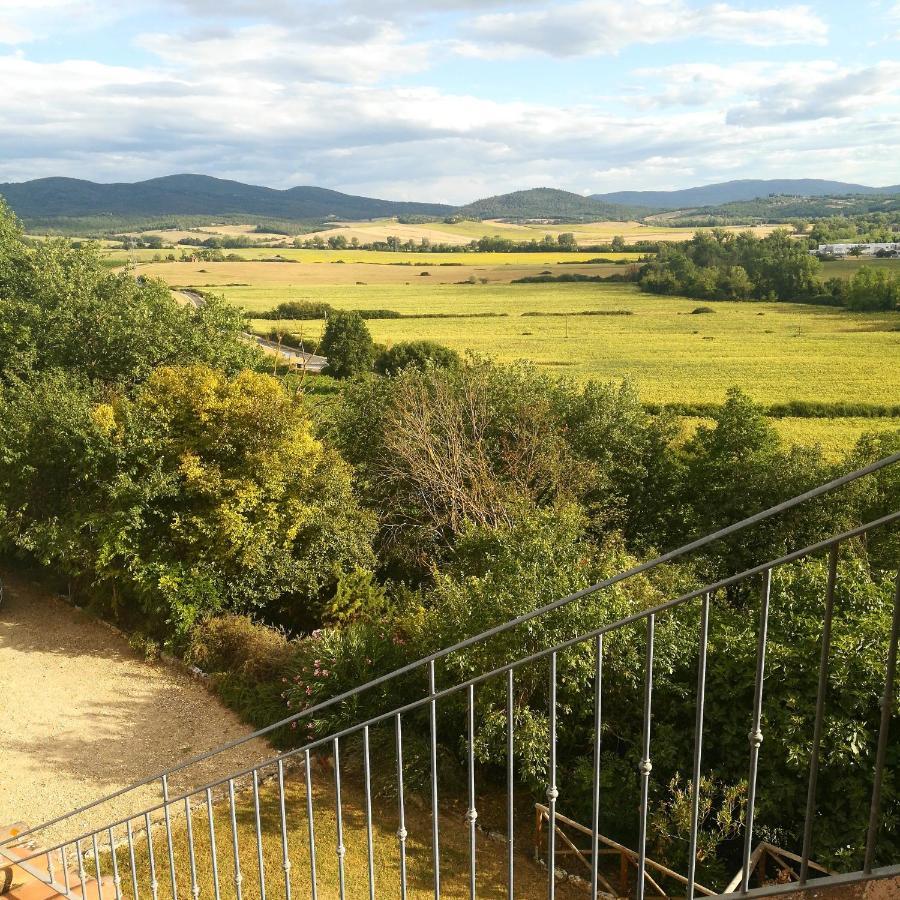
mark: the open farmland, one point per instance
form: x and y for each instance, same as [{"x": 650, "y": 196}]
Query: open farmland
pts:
[
  {"x": 586, "y": 233},
  {"x": 382, "y": 257},
  {"x": 776, "y": 352},
  {"x": 456, "y": 233}
]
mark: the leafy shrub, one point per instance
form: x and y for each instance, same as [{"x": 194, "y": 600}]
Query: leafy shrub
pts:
[
  {"x": 239, "y": 645},
  {"x": 416, "y": 354},
  {"x": 700, "y": 310}
]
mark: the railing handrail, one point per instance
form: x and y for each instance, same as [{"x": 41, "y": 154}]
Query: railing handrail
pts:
[
  {"x": 664, "y": 558},
  {"x": 413, "y": 705}
]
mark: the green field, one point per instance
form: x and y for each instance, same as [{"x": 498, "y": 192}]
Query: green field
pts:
[{"x": 776, "y": 352}]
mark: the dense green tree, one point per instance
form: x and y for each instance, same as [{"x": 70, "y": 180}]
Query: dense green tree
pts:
[
  {"x": 417, "y": 354},
  {"x": 197, "y": 494},
  {"x": 873, "y": 289},
  {"x": 348, "y": 345},
  {"x": 63, "y": 308}
]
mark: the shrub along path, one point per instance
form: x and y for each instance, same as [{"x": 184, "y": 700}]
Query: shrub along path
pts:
[{"x": 83, "y": 714}]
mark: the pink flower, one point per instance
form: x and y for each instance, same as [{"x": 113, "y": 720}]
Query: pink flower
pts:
[{"x": 308, "y": 690}]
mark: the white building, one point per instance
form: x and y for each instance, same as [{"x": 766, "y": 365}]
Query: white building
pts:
[{"x": 864, "y": 249}]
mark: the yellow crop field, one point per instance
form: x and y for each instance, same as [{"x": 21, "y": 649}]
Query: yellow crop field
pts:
[{"x": 776, "y": 352}]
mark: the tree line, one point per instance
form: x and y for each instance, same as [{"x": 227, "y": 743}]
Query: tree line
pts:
[{"x": 722, "y": 265}]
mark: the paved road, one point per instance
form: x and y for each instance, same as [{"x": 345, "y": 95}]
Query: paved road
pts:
[{"x": 294, "y": 355}]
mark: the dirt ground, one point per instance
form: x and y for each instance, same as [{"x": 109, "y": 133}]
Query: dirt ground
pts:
[{"x": 82, "y": 715}]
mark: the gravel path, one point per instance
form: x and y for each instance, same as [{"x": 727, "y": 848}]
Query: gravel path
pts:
[{"x": 82, "y": 714}]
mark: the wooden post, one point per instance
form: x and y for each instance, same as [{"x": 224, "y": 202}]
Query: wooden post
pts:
[{"x": 538, "y": 827}]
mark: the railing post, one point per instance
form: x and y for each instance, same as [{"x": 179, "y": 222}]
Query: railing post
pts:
[
  {"x": 435, "y": 812},
  {"x": 698, "y": 747},
  {"x": 165, "y": 791},
  {"x": 285, "y": 855},
  {"x": 259, "y": 842},
  {"x": 820, "y": 715},
  {"x": 367, "y": 788},
  {"x": 595, "y": 799},
  {"x": 510, "y": 785},
  {"x": 313, "y": 887},
  {"x": 471, "y": 812},
  {"x": 756, "y": 736},
  {"x": 340, "y": 849},
  {"x": 117, "y": 880},
  {"x": 401, "y": 806},
  {"x": 235, "y": 849},
  {"x": 151, "y": 856},
  {"x": 646, "y": 765},
  {"x": 552, "y": 792},
  {"x": 887, "y": 710},
  {"x": 213, "y": 850}
]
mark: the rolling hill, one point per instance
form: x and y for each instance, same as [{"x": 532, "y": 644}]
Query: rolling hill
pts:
[
  {"x": 72, "y": 202},
  {"x": 734, "y": 191},
  {"x": 200, "y": 195},
  {"x": 549, "y": 203}
]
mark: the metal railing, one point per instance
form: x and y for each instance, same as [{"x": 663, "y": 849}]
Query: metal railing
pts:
[{"x": 161, "y": 837}]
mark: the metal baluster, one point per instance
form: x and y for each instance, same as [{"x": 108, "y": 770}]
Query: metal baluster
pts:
[
  {"x": 471, "y": 812},
  {"x": 401, "y": 829},
  {"x": 312, "y": 828},
  {"x": 756, "y": 736},
  {"x": 82, "y": 875},
  {"x": 367, "y": 779},
  {"x": 552, "y": 792},
  {"x": 285, "y": 857},
  {"x": 887, "y": 709},
  {"x": 192, "y": 859},
  {"x": 645, "y": 766},
  {"x": 96, "y": 865},
  {"x": 238, "y": 877},
  {"x": 820, "y": 715},
  {"x": 165, "y": 788},
  {"x": 259, "y": 843},
  {"x": 338, "y": 815},
  {"x": 49, "y": 868},
  {"x": 598, "y": 721},
  {"x": 65, "y": 867},
  {"x": 134, "y": 879},
  {"x": 213, "y": 850},
  {"x": 510, "y": 784},
  {"x": 435, "y": 828},
  {"x": 154, "y": 884},
  {"x": 117, "y": 880},
  {"x": 698, "y": 745}
]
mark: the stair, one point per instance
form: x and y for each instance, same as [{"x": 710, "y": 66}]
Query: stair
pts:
[{"x": 17, "y": 883}]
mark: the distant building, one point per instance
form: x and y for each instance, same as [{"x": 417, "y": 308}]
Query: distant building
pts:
[{"x": 892, "y": 248}]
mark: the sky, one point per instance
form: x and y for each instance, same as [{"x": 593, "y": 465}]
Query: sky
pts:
[{"x": 451, "y": 100}]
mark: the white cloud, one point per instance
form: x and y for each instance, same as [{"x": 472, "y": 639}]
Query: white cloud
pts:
[
  {"x": 600, "y": 27},
  {"x": 86, "y": 119},
  {"x": 280, "y": 53}
]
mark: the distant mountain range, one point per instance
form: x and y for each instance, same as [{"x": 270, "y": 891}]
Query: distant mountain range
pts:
[
  {"x": 732, "y": 191},
  {"x": 197, "y": 195},
  {"x": 47, "y": 199}
]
